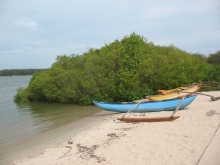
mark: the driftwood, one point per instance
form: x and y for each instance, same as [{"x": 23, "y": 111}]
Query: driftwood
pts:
[
  {"x": 215, "y": 98},
  {"x": 70, "y": 148}
]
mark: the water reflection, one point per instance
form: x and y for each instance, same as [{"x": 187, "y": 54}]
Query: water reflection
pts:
[
  {"x": 50, "y": 115},
  {"x": 36, "y": 117}
]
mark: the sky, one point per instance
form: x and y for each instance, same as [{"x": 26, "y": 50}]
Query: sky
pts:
[{"x": 34, "y": 32}]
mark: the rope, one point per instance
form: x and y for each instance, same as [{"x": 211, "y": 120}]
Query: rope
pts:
[{"x": 207, "y": 145}]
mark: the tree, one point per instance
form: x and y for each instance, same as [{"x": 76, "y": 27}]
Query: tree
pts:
[{"x": 214, "y": 58}]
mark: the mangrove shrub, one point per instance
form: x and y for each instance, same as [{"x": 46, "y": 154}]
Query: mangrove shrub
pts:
[{"x": 123, "y": 70}]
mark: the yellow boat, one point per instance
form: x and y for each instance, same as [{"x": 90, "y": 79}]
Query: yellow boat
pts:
[
  {"x": 184, "y": 92},
  {"x": 164, "y": 92}
]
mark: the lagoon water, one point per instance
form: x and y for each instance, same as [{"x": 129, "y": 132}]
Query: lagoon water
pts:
[{"x": 21, "y": 121}]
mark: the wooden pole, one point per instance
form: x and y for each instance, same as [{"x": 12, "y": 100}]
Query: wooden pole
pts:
[
  {"x": 153, "y": 119},
  {"x": 178, "y": 106}
]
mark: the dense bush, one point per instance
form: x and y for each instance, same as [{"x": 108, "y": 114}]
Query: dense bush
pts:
[
  {"x": 213, "y": 74},
  {"x": 120, "y": 71},
  {"x": 214, "y": 58},
  {"x": 23, "y": 95}
]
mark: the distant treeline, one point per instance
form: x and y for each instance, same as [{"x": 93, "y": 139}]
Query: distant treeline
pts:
[
  {"x": 19, "y": 72},
  {"x": 124, "y": 70}
]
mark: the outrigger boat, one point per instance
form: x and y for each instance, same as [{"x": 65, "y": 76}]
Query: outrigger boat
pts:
[
  {"x": 177, "y": 94},
  {"x": 146, "y": 106}
]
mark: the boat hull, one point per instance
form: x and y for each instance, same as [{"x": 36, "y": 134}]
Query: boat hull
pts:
[{"x": 150, "y": 106}]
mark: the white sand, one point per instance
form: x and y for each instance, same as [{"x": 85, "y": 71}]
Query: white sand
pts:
[{"x": 185, "y": 141}]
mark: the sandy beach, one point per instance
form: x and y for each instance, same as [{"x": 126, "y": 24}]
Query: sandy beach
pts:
[{"x": 193, "y": 139}]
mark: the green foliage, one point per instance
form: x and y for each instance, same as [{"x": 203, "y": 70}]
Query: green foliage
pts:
[
  {"x": 213, "y": 74},
  {"x": 214, "y": 58},
  {"x": 23, "y": 95},
  {"x": 123, "y": 70}
]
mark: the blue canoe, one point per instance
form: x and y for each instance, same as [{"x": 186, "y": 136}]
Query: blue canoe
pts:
[{"x": 149, "y": 106}]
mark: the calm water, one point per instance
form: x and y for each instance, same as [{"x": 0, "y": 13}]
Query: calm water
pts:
[{"x": 20, "y": 121}]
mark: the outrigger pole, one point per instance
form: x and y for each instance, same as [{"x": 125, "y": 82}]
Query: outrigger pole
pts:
[
  {"x": 212, "y": 97},
  {"x": 153, "y": 119}
]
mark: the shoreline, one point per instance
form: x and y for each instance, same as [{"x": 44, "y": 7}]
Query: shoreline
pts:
[
  {"x": 49, "y": 138},
  {"x": 192, "y": 139}
]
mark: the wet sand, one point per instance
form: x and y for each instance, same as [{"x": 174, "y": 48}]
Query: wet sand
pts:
[{"x": 193, "y": 139}]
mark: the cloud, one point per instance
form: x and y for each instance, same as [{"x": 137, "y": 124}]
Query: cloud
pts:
[
  {"x": 25, "y": 22},
  {"x": 191, "y": 25}
]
